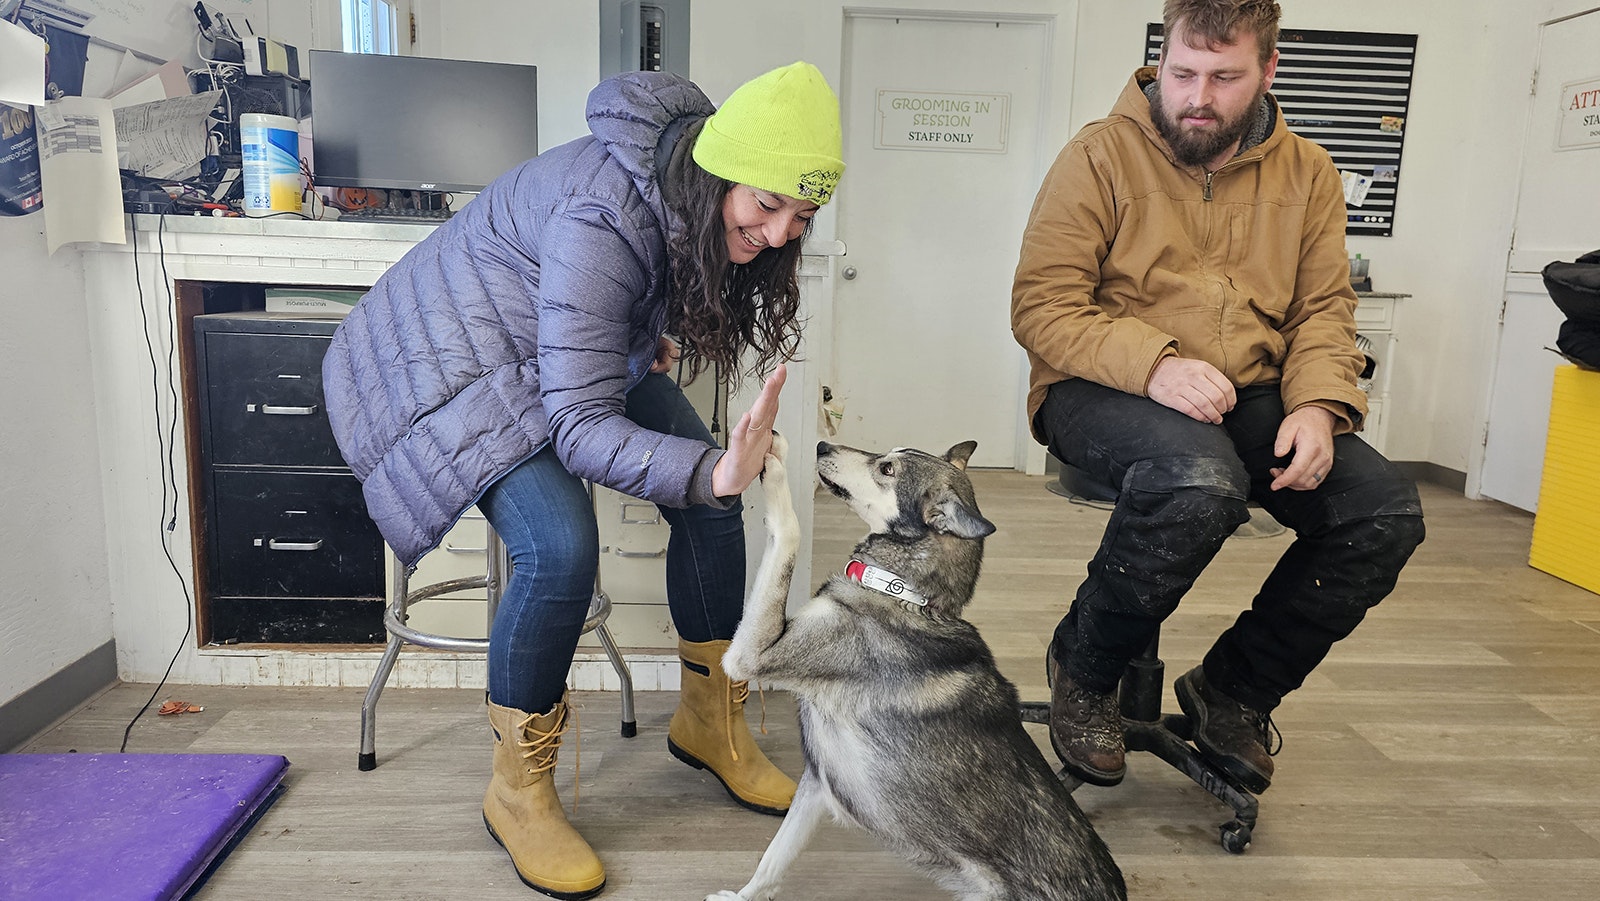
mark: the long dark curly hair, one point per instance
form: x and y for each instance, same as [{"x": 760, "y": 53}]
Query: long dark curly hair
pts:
[{"x": 722, "y": 309}]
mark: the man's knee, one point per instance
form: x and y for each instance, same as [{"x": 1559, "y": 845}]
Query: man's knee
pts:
[
  {"x": 1206, "y": 493},
  {"x": 1174, "y": 514},
  {"x": 1384, "y": 543},
  {"x": 1363, "y": 565}
]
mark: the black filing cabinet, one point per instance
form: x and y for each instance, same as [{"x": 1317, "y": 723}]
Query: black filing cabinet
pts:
[{"x": 291, "y": 555}]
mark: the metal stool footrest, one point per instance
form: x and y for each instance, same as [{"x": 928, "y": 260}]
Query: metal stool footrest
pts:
[{"x": 493, "y": 580}]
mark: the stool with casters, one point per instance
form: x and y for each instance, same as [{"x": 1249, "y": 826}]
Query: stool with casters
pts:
[
  {"x": 493, "y": 582},
  {"x": 1144, "y": 726}
]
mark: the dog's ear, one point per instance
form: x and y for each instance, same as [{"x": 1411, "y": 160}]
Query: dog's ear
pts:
[
  {"x": 959, "y": 455},
  {"x": 948, "y": 513}
]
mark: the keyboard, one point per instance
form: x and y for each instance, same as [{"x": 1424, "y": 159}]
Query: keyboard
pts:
[{"x": 384, "y": 214}]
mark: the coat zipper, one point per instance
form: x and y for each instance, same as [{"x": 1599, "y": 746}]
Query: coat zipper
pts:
[{"x": 1209, "y": 219}]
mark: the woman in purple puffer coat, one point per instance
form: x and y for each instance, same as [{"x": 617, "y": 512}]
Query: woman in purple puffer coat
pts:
[{"x": 521, "y": 349}]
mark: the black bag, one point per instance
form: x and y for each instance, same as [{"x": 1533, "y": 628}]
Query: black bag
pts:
[{"x": 1575, "y": 287}]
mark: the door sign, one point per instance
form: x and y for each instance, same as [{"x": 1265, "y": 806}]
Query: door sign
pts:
[
  {"x": 927, "y": 120},
  {"x": 1580, "y": 115}
]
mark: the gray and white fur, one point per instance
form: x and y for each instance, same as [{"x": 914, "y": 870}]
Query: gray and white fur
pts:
[{"x": 909, "y": 730}]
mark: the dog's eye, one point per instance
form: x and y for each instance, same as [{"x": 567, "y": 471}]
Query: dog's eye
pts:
[{"x": 886, "y": 468}]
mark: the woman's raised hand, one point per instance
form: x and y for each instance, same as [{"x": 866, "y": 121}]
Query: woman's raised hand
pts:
[{"x": 749, "y": 440}]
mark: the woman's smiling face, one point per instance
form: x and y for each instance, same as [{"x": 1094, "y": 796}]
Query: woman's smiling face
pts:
[{"x": 755, "y": 220}]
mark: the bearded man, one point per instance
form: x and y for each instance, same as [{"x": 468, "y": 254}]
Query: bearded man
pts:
[{"x": 1183, "y": 294}]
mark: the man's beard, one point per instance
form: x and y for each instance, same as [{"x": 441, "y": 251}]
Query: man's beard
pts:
[{"x": 1198, "y": 147}]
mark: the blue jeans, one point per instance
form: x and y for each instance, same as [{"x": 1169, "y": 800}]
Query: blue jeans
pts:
[
  {"x": 545, "y": 517},
  {"x": 1182, "y": 489}
]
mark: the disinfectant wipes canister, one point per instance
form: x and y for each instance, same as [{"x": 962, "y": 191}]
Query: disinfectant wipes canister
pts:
[{"x": 270, "y": 147}]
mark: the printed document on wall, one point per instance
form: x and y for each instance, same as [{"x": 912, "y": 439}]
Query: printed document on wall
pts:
[{"x": 78, "y": 166}]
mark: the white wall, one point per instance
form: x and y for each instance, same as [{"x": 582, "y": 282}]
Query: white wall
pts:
[
  {"x": 53, "y": 578},
  {"x": 561, "y": 38}
]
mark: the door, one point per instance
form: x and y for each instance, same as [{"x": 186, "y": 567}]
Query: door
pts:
[
  {"x": 1558, "y": 165},
  {"x": 941, "y": 121}
]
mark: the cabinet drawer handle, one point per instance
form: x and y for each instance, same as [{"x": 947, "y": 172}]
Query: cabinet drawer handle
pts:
[
  {"x": 274, "y": 544},
  {"x": 622, "y": 553},
  {"x": 272, "y": 410},
  {"x": 453, "y": 549}
]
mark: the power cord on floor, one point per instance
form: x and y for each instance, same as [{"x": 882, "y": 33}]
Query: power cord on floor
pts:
[{"x": 166, "y": 446}]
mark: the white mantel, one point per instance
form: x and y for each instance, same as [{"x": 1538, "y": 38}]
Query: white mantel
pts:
[{"x": 150, "y": 614}]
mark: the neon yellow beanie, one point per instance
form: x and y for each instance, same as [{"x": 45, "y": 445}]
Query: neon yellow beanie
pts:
[{"x": 778, "y": 132}]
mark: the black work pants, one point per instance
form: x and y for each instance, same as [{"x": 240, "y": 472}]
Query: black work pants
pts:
[{"x": 1182, "y": 490}]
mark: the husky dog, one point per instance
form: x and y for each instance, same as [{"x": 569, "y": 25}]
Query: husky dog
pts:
[{"x": 908, "y": 728}]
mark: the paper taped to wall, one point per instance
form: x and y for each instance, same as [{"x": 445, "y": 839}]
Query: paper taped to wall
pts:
[{"x": 78, "y": 165}]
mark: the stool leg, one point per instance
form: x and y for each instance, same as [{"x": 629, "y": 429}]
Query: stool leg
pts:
[
  {"x": 630, "y": 726},
  {"x": 1139, "y": 694},
  {"x": 368, "y": 758},
  {"x": 498, "y": 572}
]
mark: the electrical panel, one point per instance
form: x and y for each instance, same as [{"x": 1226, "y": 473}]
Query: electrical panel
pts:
[{"x": 644, "y": 36}]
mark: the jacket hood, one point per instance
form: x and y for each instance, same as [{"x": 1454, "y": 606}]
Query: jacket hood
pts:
[
  {"x": 631, "y": 114},
  {"x": 1133, "y": 104}
]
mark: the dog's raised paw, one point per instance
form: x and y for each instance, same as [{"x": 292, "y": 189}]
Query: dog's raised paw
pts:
[
  {"x": 725, "y": 896},
  {"x": 773, "y": 472}
]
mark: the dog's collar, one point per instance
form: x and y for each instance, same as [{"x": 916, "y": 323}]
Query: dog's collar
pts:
[{"x": 884, "y": 581}]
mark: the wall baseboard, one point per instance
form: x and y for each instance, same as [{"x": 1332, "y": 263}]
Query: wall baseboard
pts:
[
  {"x": 1434, "y": 474},
  {"x": 54, "y": 699}
]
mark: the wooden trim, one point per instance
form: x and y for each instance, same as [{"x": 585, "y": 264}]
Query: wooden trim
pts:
[{"x": 191, "y": 303}]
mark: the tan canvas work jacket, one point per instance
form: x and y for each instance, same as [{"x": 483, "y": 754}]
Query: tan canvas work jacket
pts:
[{"x": 1129, "y": 257}]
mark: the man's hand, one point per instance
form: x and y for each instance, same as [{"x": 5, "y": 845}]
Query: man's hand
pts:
[
  {"x": 667, "y": 355},
  {"x": 749, "y": 440},
  {"x": 1308, "y": 434},
  {"x": 1194, "y": 388}
]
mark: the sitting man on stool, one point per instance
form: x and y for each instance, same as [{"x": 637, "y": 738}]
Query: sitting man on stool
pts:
[{"x": 1183, "y": 294}]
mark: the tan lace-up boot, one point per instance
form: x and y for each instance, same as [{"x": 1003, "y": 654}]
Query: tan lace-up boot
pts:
[
  {"x": 523, "y": 813},
  {"x": 709, "y": 732}
]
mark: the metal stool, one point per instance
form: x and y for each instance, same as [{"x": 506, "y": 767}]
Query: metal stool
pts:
[
  {"x": 1168, "y": 736},
  {"x": 493, "y": 580}
]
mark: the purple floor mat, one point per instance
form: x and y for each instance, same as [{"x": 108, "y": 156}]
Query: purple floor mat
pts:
[{"x": 123, "y": 826}]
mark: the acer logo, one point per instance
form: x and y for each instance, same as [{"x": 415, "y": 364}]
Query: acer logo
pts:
[{"x": 429, "y": 186}]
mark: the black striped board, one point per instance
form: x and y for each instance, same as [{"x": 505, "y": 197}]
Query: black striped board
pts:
[{"x": 1348, "y": 91}]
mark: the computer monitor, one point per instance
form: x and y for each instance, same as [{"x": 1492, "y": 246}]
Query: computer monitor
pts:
[{"x": 413, "y": 123}]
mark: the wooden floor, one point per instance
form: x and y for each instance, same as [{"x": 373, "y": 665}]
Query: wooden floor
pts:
[{"x": 1449, "y": 750}]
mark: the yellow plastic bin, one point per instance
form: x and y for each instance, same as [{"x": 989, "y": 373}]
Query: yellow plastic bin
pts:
[{"x": 1566, "y": 531}]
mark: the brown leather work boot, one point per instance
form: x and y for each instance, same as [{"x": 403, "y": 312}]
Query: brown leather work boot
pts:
[
  {"x": 1237, "y": 738},
  {"x": 1085, "y": 729}
]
